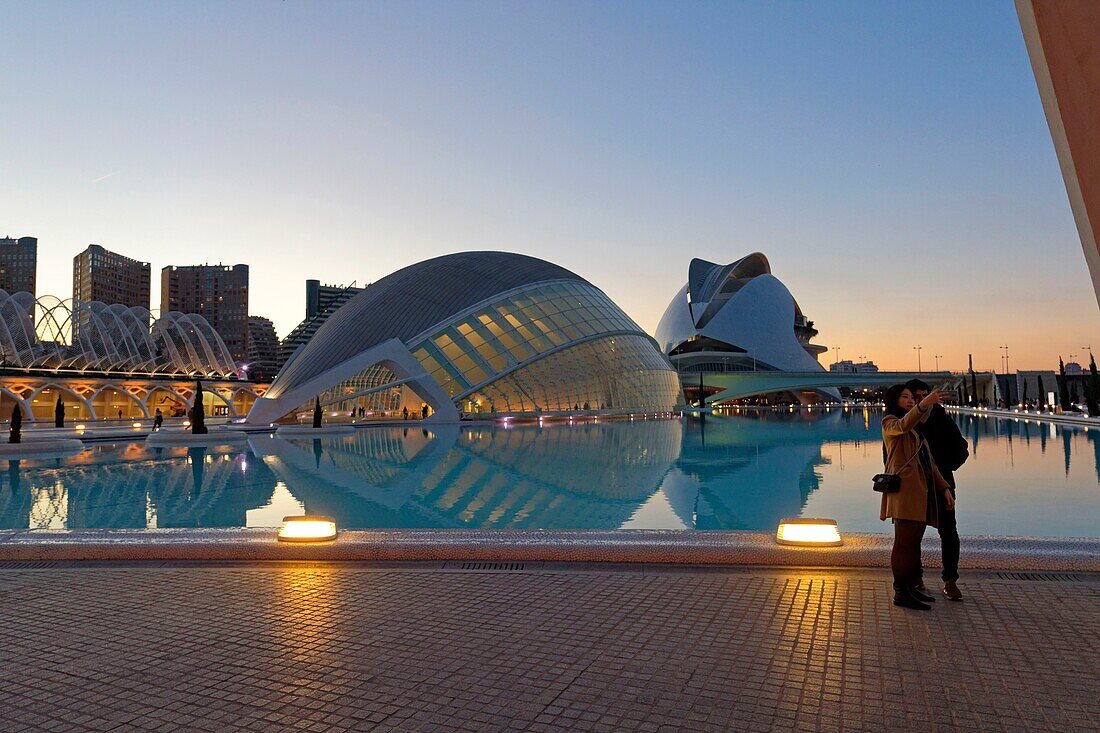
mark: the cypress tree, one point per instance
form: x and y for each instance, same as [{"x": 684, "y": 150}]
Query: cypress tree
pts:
[
  {"x": 1023, "y": 397},
  {"x": 1092, "y": 389},
  {"x": 15, "y": 433},
  {"x": 198, "y": 413},
  {"x": 1063, "y": 389}
]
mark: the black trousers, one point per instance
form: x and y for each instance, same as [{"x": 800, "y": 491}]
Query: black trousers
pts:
[
  {"x": 949, "y": 540},
  {"x": 905, "y": 557}
]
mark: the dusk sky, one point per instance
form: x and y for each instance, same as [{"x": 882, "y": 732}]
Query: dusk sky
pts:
[{"x": 892, "y": 160}]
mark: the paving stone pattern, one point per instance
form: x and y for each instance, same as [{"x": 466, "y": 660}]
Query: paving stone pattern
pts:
[{"x": 352, "y": 647}]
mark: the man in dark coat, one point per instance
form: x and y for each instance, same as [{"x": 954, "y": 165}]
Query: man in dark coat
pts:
[{"x": 949, "y": 450}]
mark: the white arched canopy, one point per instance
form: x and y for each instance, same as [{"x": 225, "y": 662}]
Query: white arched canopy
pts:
[
  {"x": 47, "y": 332},
  {"x": 392, "y": 354}
]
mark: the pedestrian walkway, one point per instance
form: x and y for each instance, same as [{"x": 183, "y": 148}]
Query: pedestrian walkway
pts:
[{"x": 537, "y": 647}]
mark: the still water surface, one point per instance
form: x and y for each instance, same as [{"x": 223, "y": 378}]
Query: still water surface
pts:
[{"x": 727, "y": 472}]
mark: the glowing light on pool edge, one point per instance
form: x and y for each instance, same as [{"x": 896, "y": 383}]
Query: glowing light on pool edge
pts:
[
  {"x": 307, "y": 529},
  {"x": 809, "y": 532}
]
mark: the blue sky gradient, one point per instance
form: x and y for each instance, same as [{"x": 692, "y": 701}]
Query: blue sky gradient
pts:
[{"x": 891, "y": 159}]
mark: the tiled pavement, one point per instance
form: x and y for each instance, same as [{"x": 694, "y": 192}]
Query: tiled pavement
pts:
[{"x": 422, "y": 647}]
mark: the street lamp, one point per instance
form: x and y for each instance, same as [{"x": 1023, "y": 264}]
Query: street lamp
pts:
[
  {"x": 1004, "y": 362},
  {"x": 937, "y": 357},
  {"x": 917, "y": 349},
  {"x": 836, "y": 349}
]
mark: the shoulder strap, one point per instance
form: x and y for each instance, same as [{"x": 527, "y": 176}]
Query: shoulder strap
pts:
[{"x": 890, "y": 453}]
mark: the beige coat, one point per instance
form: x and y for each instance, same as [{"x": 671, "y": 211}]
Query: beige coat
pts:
[{"x": 912, "y": 500}]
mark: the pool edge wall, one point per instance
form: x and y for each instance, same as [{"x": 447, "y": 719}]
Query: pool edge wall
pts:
[{"x": 620, "y": 546}]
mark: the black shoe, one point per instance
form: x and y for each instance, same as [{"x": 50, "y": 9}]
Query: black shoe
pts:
[
  {"x": 951, "y": 590},
  {"x": 920, "y": 594},
  {"x": 906, "y": 599}
]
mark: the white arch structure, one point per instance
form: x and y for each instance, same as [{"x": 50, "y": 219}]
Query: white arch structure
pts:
[
  {"x": 391, "y": 354},
  {"x": 143, "y": 392},
  {"x": 736, "y": 385},
  {"x": 49, "y": 333},
  {"x": 85, "y": 401}
]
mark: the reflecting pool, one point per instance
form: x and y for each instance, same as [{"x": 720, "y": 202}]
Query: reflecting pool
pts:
[{"x": 739, "y": 471}]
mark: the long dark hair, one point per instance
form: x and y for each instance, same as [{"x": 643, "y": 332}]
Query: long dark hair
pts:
[{"x": 892, "y": 395}]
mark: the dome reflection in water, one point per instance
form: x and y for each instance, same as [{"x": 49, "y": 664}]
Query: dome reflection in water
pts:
[{"x": 744, "y": 470}]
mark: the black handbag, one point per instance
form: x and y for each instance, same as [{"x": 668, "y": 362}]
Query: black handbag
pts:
[{"x": 890, "y": 483}]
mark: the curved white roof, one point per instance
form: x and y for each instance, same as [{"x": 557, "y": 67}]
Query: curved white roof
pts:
[
  {"x": 740, "y": 304},
  {"x": 409, "y": 302},
  {"x": 505, "y": 331}
]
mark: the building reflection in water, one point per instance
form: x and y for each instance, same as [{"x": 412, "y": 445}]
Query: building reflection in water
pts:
[
  {"x": 724, "y": 472},
  {"x": 979, "y": 430},
  {"x": 128, "y": 487},
  {"x": 584, "y": 476}
]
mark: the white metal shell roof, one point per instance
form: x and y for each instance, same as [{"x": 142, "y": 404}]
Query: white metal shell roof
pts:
[{"x": 409, "y": 302}]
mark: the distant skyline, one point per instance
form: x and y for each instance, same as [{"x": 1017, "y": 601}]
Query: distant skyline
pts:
[{"x": 891, "y": 160}]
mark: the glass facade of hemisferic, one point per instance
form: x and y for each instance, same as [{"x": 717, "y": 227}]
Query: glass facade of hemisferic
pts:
[
  {"x": 623, "y": 372},
  {"x": 374, "y": 390},
  {"x": 552, "y": 346}
]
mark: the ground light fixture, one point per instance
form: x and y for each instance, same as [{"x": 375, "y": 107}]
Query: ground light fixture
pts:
[
  {"x": 307, "y": 528},
  {"x": 809, "y": 532}
]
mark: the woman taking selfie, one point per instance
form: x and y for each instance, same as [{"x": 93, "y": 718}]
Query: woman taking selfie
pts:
[{"x": 912, "y": 505}]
